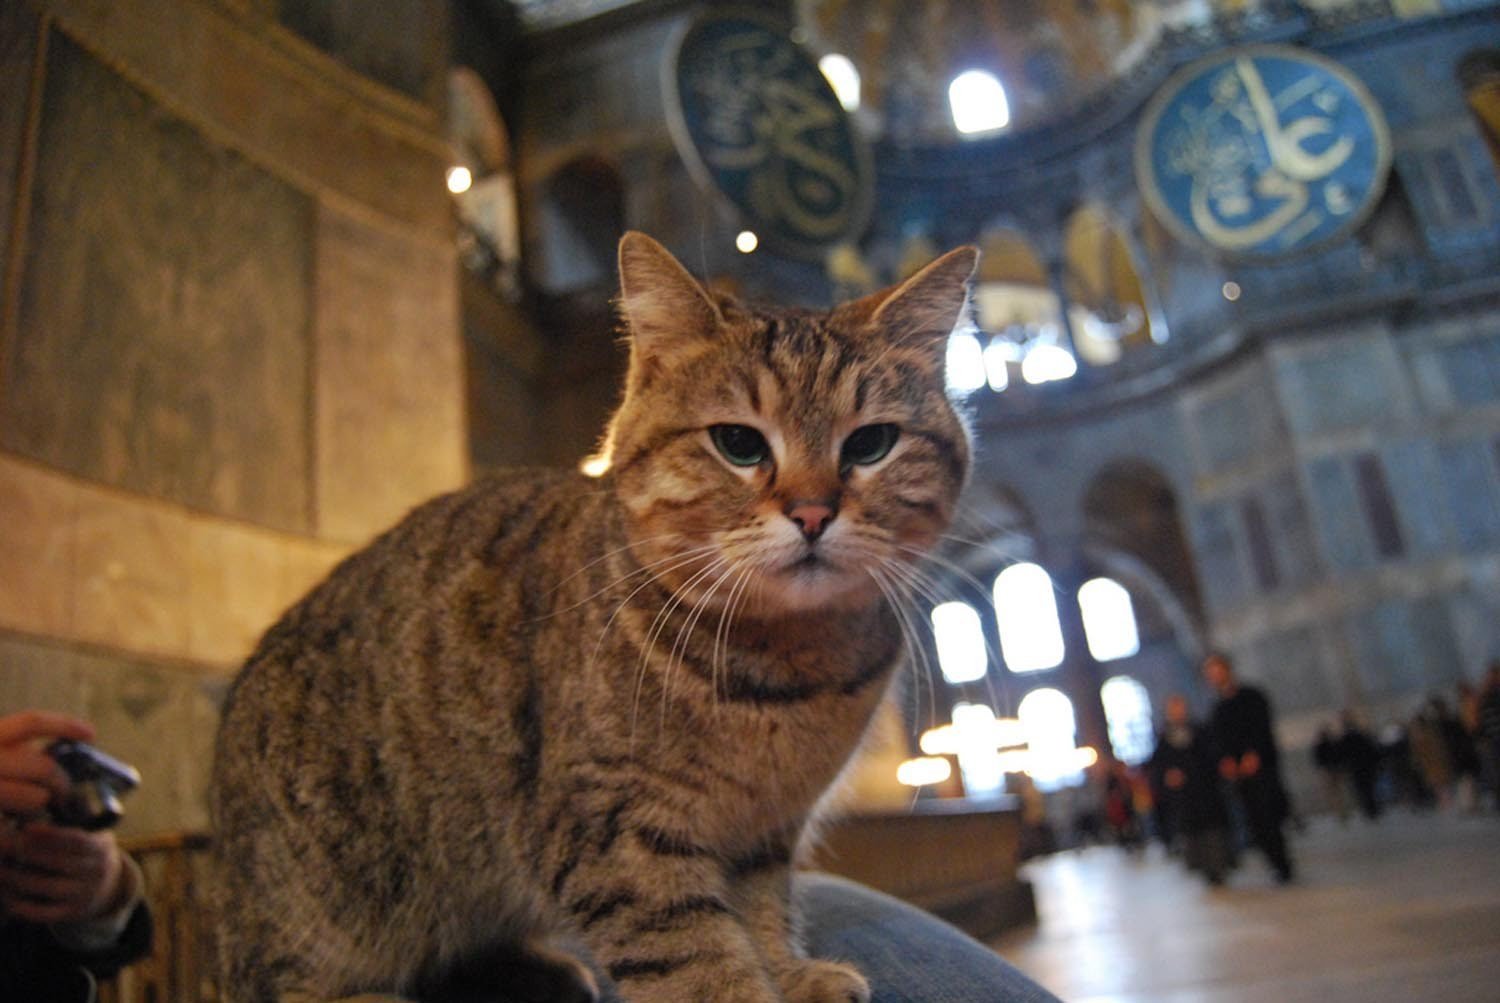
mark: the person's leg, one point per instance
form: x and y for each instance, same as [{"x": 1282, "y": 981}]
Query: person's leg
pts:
[{"x": 908, "y": 955}]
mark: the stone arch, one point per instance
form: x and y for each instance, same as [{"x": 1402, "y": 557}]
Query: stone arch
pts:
[
  {"x": 475, "y": 126},
  {"x": 1479, "y": 76},
  {"x": 581, "y": 218},
  {"x": 1130, "y": 507}
]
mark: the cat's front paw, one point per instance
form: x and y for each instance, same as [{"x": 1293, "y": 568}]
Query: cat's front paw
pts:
[{"x": 814, "y": 981}]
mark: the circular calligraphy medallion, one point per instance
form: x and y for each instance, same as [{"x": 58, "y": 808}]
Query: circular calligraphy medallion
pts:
[
  {"x": 756, "y": 121},
  {"x": 1262, "y": 151}
]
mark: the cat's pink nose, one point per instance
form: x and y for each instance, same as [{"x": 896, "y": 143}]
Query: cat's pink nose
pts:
[{"x": 812, "y": 517}]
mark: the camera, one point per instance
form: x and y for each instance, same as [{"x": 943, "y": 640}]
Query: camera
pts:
[{"x": 98, "y": 781}]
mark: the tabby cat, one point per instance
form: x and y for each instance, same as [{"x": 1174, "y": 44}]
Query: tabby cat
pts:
[{"x": 550, "y": 710}]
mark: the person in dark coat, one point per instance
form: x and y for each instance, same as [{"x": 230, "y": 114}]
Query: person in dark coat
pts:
[
  {"x": 1361, "y": 758},
  {"x": 72, "y": 909},
  {"x": 1185, "y": 778},
  {"x": 1250, "y": 760},
  {"x": 1328, "y": 757}
]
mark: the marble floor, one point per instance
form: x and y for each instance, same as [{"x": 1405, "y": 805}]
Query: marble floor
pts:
[{"x": 1407, "y": 910}]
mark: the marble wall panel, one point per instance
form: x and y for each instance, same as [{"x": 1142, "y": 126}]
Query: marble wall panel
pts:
[
  {"x": 160, "y": 719},
  {"x": 1471, "y": 489},
  {"x": 1293, "y": 672},
  {"x": 131, "y": 570},
  {"x": 162, "y": 341},
  {"x": 99, "y": 566},
  {"x": 1296, "y": 547},
  {"x": 1412, "y": 471},
  {"x": 1219, "y": 567},
  {"x": 402, "y": 45},
  {"x": 1340, "y": 522},
  {"x": 1233, "y": 421},
  {"x": 389, "y": 400},
  {"x": 37, "y": 549},
  {"x": 18, "y": 35},
  {"x": 1345, "y": 384}
]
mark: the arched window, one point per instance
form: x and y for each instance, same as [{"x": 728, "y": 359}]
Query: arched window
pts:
[
  {"x": 1030, "y": 635},
  {"x": 1108, "y": 619},
  {"x": 1479, "y": 76},
  {"x": 1051, "y": 736},
  {"x": 1127, "y": 709},
  {"x": 960, "y": 642},
  {"x": 978, "y": 102}
]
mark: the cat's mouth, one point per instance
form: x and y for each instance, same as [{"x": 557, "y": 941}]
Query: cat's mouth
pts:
[{"x": 811, "y": 563}]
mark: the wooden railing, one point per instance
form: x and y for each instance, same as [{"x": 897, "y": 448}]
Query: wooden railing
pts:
[{"x": 181, "y": 966}]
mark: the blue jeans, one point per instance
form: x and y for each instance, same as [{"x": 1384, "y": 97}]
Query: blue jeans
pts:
[{"x": 908, "y": 955}]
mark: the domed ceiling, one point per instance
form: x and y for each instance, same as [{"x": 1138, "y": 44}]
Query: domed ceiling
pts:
[{"x": 1049, "y": 56}]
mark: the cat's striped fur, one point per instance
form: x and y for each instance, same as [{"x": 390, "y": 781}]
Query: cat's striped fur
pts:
[{"x": 548, "y": 709}]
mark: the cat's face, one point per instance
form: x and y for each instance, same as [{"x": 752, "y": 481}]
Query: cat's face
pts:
[{"x": 788, "y": 461}]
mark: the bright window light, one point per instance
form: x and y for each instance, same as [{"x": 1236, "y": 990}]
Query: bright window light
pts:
[
  {"x": 978, "y": 751},
  {"x": 996, "y": 354},
  {"x": 960, "y": 642},
  {"x": 978, "y": 102},
  {"x": 965, "y": 363},
  {"x": 1051, "y": 731},
  {"x": 924, "y": 770},
  {"x": 843, "y": 78},
  {"x": 1045, "y": 363},
  {"x": 1108, "y": 619},
  {"x": 1127, "y": 710},
  {"x": 1030, "y": 635}
]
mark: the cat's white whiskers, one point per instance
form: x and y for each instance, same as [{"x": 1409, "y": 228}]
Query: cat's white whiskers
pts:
[
  {"x": 659, "y": 624},
  {"x": 644, "y": 569},
  {"x": 679, "y": 652},
  {"x": 921, "y": 665},
  {"x": 624, "y": 548},
  {"x": 663, "y": 566},
  {"x": 726, "y": 621}
]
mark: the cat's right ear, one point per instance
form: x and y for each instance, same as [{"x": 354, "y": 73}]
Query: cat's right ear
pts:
[{"x": 667, "y": 311}]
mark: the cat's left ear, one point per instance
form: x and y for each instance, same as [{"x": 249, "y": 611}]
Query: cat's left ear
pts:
[
  {"x": 922, "y": 311},
  {"x": 667, "y": 310}
]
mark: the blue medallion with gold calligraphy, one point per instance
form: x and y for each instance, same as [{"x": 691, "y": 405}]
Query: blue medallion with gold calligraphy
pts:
[
  {"x": 1262, "y": 151},
  {"x": 755, "y": 120}
]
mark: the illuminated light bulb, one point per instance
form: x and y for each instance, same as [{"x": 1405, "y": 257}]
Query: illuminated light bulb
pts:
[
  {"x": 746, "y": 241},
  {"x": 594, "y": 466},
  {"x": 459, "y": 179}
]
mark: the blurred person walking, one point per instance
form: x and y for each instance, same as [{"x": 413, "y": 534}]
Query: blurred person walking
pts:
[
  {"x": 1488, "y": 721},
  {"x": 1328, "y": 757},
  {"x": 1360, "y": 755},
  {"x": 1250, "y": 760},
  {"x": 1184, "y": 775}
]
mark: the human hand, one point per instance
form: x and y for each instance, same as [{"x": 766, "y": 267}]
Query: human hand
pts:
[
  {"x": 1250, "y": 764},
  {"x": 1228, "y": 769},
  {"x": 29, "y": 778},
  {"x": 49, "y": 874}
]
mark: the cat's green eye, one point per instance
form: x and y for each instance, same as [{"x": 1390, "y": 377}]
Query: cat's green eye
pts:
[
  {"x": 740, "y": 444},
  {"x": 868, "y": 444}
]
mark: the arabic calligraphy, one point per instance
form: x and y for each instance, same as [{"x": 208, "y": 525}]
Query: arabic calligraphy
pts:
[
  {"x": 769, "y": 131},
  {"x": 1263, "y": 151}
]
